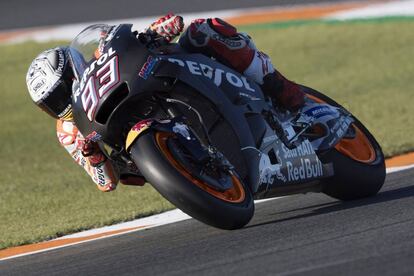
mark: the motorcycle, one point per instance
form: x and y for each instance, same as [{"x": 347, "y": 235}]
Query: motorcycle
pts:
[{"x": 206, "y": 137}]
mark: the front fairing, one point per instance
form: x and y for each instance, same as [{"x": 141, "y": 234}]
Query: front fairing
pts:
[{"x": 106, "y": 60}]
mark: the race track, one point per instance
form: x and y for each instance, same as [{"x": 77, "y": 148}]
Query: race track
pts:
[{"x": 304, "y": 234}]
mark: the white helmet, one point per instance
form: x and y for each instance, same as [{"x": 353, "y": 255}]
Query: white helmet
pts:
[{"x": 49, "y": 81}]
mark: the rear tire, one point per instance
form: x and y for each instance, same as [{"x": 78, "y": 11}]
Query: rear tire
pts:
[
  {"x": 176, "y": 186},
  {"x": 353, "y": 178}
]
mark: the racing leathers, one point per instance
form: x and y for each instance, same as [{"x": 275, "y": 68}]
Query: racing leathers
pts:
[
  {"x": 102, "y": 171},
  {"x": 220, "y": 40},
  {"x": 212, "y": 37}
]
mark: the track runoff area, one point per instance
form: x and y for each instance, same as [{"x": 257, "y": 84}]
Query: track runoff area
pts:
[{"x": 343, "y": 11}]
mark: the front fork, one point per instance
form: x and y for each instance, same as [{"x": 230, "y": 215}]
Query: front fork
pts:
[
  {"x": 186, "y": 136},
  {"x": 201, "y": 155}
]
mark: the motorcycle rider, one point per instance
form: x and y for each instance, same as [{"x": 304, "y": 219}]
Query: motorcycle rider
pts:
[{"x": 50, "y": 78}]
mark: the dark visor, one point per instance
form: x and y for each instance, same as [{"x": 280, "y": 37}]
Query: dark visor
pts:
[{"x": 58, "y": 101}]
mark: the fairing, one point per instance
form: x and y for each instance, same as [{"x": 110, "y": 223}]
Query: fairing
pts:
[{"x": 115, "y": 71}]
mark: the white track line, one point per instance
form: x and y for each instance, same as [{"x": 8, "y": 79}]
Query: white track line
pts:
[
  {"x": 168, "y": 217},
  {"x": 392, "y": 8},
  {"x": 398, "y": 169},
  {"x": 171, "y": 216},
  {"x": 165, "y": 218}
]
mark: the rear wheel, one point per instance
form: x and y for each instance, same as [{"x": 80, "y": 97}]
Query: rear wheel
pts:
[
  {"x": 173, "y": 173},
  {"x": 358, "y": 162}
]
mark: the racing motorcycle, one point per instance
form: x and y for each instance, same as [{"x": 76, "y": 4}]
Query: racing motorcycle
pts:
[{"x": 206, "y": 137}]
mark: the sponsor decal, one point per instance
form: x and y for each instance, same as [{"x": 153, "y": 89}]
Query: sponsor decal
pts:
[
  {"x": 61, "y": 61},
  {"x": 341, "y": 126},
  {"x": 320, "y": 111},
  {"x": 306, "y": 169},
  {"x": 215, "y": 74},
  {"x": 141, "y": 126},
  {"x": 100, "y": 175},
  {"x": 268, "y": 171},
  {"x": 136, "y": 130},
  {"x": 65, "y": 111},
  {"x": 339, "y": 130},
  {"x": 231, "y": 43},
  {"x": 100, "y": 61},
  {"x": 107, "y": 76},
  {"x": 39, "y": 85},
  {"x": 298, "y": 164},
  {"x": 94, "y": 137},
  {"x": 147, "y": 67},
  {"x": 304, "y": 149}
]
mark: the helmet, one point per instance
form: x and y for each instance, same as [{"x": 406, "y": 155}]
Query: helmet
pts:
[{"x": 49, "y": 81}]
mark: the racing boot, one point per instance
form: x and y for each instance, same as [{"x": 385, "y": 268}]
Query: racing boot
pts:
[
  {"x": 216, "y": 38},
  {"x": 130, "y": 175},
  {"x": 284, "y": 93},
  {"x": 132, "y": 180}
]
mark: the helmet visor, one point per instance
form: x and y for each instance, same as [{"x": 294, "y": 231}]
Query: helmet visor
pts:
[{"x": 58, "y": 103}]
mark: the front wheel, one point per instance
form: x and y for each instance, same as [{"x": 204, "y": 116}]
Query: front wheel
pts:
[
  {"x": 358, "y": 162},
  {"x": 156, "y": 155}
]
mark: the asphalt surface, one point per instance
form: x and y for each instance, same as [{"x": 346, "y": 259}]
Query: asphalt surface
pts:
[
  {"x": 304, "y": 234},
  {"x": 28, "y": 13}
]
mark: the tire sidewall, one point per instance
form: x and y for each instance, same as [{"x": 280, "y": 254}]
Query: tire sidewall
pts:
[{"x": 185, "y": 195}]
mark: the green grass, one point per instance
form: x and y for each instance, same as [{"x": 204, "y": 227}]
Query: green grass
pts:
[
  {"x": 367, "y": 66},
  {"x": 44, "y": 194}
]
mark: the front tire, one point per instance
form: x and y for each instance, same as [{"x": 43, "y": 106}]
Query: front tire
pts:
[
  {"x": 359, "y": 163},
  {"x": 226, "y": 210}
]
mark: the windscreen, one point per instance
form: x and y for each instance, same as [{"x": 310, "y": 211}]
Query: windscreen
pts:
[{"x": 88, "y": 46}]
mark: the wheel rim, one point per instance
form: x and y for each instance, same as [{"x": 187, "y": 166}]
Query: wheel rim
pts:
[
  {"x": 358, "y": 148},
  {"x": 236, "y": 194}
]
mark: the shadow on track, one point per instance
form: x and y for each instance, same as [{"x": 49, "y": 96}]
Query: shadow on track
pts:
[{"x": 336, "y": 206}]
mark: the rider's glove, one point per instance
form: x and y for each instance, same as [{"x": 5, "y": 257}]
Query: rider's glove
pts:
[
  {"x": 91, "y": 150},
  {"x": 168, "y": 26}
]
